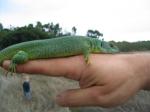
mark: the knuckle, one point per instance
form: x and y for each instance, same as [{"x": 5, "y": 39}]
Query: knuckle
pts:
[
  {"x": 97, "y": 96},
  {"x": 101, "y": 99},
  {"x": 105, "y": 101}
]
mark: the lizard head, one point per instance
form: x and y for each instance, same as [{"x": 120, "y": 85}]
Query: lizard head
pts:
[{"x": 109, "y": 47}]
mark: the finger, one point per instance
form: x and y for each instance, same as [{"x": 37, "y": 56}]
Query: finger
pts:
[
  {"x": 81, "y": 97},
  {"x": 67, "y": 67}
]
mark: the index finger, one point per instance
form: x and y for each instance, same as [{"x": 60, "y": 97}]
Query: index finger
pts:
[{"x": 70, "y": 67}]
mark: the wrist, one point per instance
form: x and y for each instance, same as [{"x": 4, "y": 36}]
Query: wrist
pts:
[{"x": 140, "y": 62}]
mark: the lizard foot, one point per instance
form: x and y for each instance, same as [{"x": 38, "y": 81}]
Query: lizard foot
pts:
[{"x": 12, "y": 69}]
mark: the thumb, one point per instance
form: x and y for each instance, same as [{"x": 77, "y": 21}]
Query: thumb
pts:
[{"x": 79, "y": 97}]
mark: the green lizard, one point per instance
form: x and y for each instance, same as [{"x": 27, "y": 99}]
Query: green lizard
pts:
[{"x": 54, "y": 48}]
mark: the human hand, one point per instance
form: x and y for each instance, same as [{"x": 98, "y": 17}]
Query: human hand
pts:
[{"x": 109, "y": 80}]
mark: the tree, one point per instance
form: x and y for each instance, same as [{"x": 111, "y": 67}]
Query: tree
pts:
[
  {"x": 97, "y": 34},
  {"x": 57, "y": 29},
  {"x": 74, "y": 30},
  {"x": 30, "y": 26},
  {"x": 94, "y": 33},
  {"x": 53, "y": 29},
  {"x": 90, "y": 33},
  {"x": 39, "y": 25},
  {"x": 22, "y": 34},
  {"x": 46, "y": 27},
  {"x": 1, "y": 27}
]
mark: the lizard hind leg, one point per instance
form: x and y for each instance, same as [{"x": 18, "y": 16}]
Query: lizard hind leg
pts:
[{"x": 19, "y": 58}]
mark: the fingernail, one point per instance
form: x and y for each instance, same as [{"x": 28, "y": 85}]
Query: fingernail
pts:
[{"x": 6, "y": 63}]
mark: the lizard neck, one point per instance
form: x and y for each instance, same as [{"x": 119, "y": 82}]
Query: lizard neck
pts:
[{"x": 96, "y": 45}]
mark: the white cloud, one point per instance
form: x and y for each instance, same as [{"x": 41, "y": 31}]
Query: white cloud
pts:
[{"x": 117, "y": 19}]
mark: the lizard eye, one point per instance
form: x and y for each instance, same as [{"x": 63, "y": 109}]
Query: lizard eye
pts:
[{"x": 111, "y": 45}]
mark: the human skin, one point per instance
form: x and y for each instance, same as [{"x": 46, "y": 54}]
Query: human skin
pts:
[{"x": 109, "y": 80}]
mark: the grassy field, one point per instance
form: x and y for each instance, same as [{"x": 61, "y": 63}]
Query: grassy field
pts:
[{"x": 44, "y": 89}]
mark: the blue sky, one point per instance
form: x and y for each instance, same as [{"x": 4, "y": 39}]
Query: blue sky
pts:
[
  {"x": 118, "y": 19},
  {"x": 4, "y": 6}
]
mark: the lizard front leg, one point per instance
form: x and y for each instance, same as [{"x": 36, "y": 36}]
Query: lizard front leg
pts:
[
  {"x": 19, "y": 58},
  {"x": 86, "y": 56}
]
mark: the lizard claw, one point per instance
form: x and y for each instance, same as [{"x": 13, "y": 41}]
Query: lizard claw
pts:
[
  {"x": 88, "y": 62},
  {"x": 12, "y": 69},
  {"x": 6, "y": 74}
]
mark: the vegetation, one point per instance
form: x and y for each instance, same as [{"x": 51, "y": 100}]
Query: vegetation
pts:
[
  {"x": 94, "y": 33},
  {"x": 13, "y": 35},
  {"x": 74, "y": 30},
  {"x": 133, "y": 46},
  {"x": 28, "y": 33}
]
